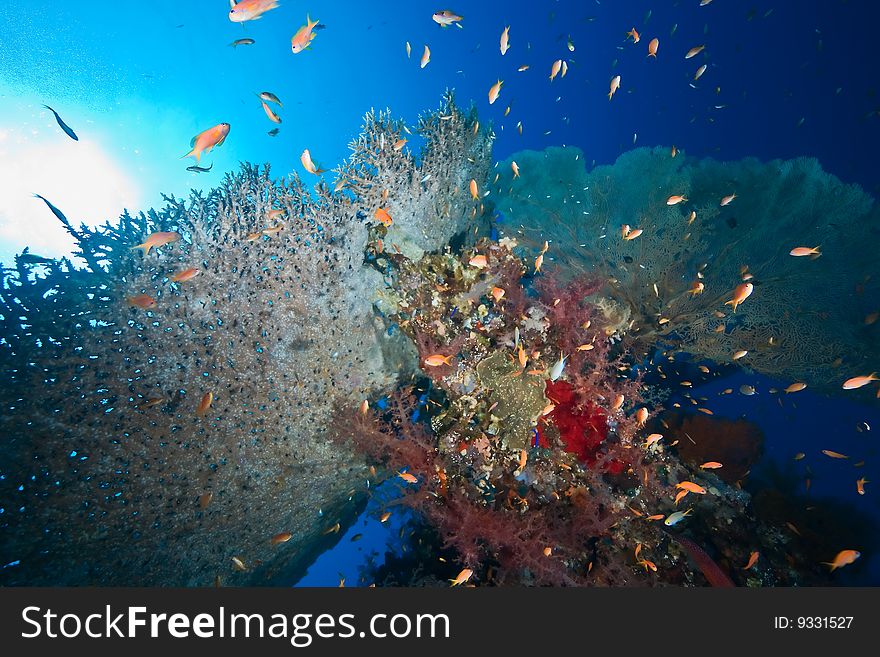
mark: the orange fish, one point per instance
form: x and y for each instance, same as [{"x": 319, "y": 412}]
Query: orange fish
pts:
[
  {"x": 475, "y": 192},
  {"x": 446, "y": 18},
  {"x": 273, "y": 117},
  {"x": 585, "y": 347},
  {"x": 185, "y": 275},
  {"x": 426, "y": 57},
  {"x": 652, "y": 47},
  {"x": 693, "y": 52},
  {"x": 634, "y": 34},
  {"x": 142, "y": 301},
  {"x": 653, "y": 438},
  {"x": 384, "y": 517},
  {"x": 505, "y": 40},
  {"x": 679, "y": 496},
  {"x": 408, "y": 478},
  {"x": 436, "y": 360},
  {"x": 306, "y": 159},
  {"x": 618, "y": 402},
  {"x": 711, "y": 465},
  {"x": 834, "y": 455},
  {"x": 633, "y": 234},
  {"x": 479, "y": 261},
  {"x": 539, "y": 262},
  {"x": 658, "y": 516},
  {"x": 675, "y": 199},
  {"x": 523, "y": 359},
  {"x": 205, "y": 499},
  {"x": 382, "y": 215},
  {"x": 249, "y": 10},
  {"x": 648, "y": 564},
  {"x": 515, "y": 168},
  {"x": 860, "y": 485},
  {"x": 548, "y": 551},
  {"x": 304, "y": 36},
  {"x": 554, "y": 70},
  {"x": 859, "y": 381},
  {"x": 155, "y": 240},
  {"x": 697, "y": 287},
  {"x": 740, "y": 294},
  {"x": 615, "y": 85},
  {"x": 494, "y": 90},
  {"x": 462, "y": 577},
  {"x": 800, "y": 251},
  {"x": 399, "y": 144},
  {"x": 728, "y": 199},
  {"x": 365, "y": 406},
  {"x": 497, "y": 293},
  {"x": 642, "y": 416},
  {"x": 205, "y": 404},
  {"x": 206, "y": 140},
  {"x": 843, "y": 558},
  {"x": 283, "y": 537},
  {"x": 753, "y": 559},
  {"x": 691, "y": 487},
  {"x": 795, "y": 387},
  {"x": 739, "y": 354}
]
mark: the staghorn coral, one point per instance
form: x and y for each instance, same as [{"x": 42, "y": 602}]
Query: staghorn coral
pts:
[
  {"x": 806, "y": 317},
  {"x": 122, "y": 480}
]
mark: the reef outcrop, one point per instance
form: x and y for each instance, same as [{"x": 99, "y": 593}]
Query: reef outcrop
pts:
[{"x": 164, "y": 409}]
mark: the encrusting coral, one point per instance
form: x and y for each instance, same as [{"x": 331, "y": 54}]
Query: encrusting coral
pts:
[
  {"x": 164, "y": 408},
  {"x": 807, "y": 319}
]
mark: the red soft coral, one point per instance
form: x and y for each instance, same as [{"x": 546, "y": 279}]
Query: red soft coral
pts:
[{"x": 583, "y": 427}]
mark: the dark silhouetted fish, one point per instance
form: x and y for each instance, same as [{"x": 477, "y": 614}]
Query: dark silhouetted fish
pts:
[
  {"x": 197, "y": 169},
  {"x": 273, "y": 132},
  {"x": 58, "y": 213},
  {"x": 242, "y": 42},
  {"x": 70, "y": 133}
]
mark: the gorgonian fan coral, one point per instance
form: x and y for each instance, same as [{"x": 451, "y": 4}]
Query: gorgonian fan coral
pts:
[
  {"x": 164, "y": 409},
  {"x": 808, "y": 318}
]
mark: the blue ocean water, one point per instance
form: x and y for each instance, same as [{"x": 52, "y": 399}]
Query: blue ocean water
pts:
[{"x": 137, "y": 80}]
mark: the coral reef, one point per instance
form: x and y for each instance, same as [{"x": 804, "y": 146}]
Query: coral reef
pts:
[
  {"x": 806, "y": 319},
  {"x": 164, "y": 409},
  {"x": 579, "y": 502}
]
